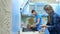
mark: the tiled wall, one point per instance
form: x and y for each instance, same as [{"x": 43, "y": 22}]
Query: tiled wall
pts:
[{"x": 5, "y": 17}]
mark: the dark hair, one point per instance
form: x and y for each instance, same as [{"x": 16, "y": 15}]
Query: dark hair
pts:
[
  {"x": 20, "y": 8},
  {"x": 32, "y": 11}
]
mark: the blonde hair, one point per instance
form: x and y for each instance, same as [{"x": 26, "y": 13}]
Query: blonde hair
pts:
[{"x": 48, "y": 7}]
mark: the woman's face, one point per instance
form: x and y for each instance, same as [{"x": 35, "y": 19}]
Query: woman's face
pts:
[{"x": 49, "y": 10}]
